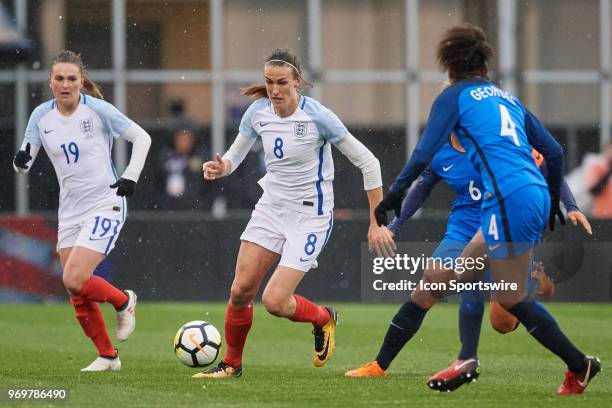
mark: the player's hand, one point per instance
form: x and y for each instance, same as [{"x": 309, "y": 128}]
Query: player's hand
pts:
[
  {"x": 380, "y": 241},
  {"x": 576, "y": 217},
  {"x": 215, "y": 169},
  {"x": 555, "y": 211},
  {"x": 391, "y": 201},
  {"x": 125, "y": 187},
  {"x": 22, "y": 158}
]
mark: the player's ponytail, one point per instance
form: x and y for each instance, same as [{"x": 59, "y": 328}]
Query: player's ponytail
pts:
[
  {"x": 464, "y": 52},
  {"x": 256, "y": 91},
  {"x": 279, "y": 57},
  {"x": 92, "y": 88},
  {"x": 89, "y": 86}
]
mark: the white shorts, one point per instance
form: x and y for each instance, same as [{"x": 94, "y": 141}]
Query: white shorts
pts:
[
  {"x": 299, "y": 238},
  {"x": 98, "y": 231}
]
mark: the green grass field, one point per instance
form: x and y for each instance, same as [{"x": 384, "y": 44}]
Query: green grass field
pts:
[{"x": 43, "y": 346}]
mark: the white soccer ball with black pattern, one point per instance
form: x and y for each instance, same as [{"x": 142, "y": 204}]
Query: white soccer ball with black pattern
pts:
[{"x": 197, "y": 343}]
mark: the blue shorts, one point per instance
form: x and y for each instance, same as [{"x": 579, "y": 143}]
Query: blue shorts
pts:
[
  {"x": 452, "y": 249},
  {"x": 515, "y": 226}
]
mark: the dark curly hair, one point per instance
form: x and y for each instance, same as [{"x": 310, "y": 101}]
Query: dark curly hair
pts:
[{"x": 464, "y": 52}]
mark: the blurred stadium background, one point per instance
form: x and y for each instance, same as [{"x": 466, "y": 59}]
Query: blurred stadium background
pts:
[{"x": 176, "y": 67}]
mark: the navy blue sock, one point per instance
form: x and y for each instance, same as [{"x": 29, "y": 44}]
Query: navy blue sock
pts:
[
  {"x": 470, "y": 320},
  {"x": 403, "y": 326},
  {"x": 543, "y": 327}
]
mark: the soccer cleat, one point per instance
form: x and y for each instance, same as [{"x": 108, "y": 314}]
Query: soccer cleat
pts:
[
  {"x": 324, "y": 339},
  {"x": 544, "y": 285},
  {"x": 576, "y": 383},
  {"x": 104, "y": 364},
  {"x": 222, "y": 370},
  {"x": 126, "y": 318},
  {"x": 455, "y": 375},
  {"x": 368, "y": 370}
]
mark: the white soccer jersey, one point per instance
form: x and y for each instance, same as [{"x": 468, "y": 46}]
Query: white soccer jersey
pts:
[
  {"x": 79, "y": 147},
  {"x": 299, "y": 165}
]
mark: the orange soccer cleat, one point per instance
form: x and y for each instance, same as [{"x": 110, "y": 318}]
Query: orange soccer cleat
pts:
[
  {"x": 368, "y": 370},
  {"x": 545, "y": 287}
]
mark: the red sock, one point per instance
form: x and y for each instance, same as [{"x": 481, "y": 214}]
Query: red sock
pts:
[
  {"x": 89, "y": 316},
  {"x": 306, "y": 311},
  {"x": 237, "y": 325},
  {"x": 99, "y": 290}
]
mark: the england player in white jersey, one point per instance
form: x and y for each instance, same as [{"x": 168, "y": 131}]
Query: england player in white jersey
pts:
[
  {"x": 77, "y": 129},
  {"x": 293, "y": 219}
]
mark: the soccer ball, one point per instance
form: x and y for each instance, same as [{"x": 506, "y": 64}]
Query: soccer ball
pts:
[{"x": 197, "y": 343}]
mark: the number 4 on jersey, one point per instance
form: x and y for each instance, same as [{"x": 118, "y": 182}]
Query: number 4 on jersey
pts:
[{"x": 508, "y": 128}]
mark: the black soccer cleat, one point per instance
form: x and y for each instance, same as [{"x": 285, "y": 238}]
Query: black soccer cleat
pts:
[{"x": 324, "y": 339}]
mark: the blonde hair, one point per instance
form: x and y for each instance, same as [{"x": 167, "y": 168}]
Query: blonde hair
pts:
[{"x": 70, "y": 57}]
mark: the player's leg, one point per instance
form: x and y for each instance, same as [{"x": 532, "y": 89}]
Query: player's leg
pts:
[
  {"x": 251, "y": 266},
  {"x": 95, "y": 239},
  {"x": 539, "y": 284},
  {"x": 409, "y": 317},
  {"x": 542, "y": 326},
  {"x": 501, "y": 320},
  {"x": 402, "y": 328},
  {"x": 92, "y": 322},
  {"x": 466, "y": 367},
  {"x": 471, "y": 310},
  {"x": 306, "y": 237},
  {"x": 280, "y": 299},
  {"x": 542, "y": 283},
  {"x": 80, "y": 282},
  {"x": 510, "y": 261}
]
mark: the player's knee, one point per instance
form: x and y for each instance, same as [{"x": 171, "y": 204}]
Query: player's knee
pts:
[
  {"x": 274, "y": 304},
  {"x": 423, "y": 299},
  {"x": 501, "y": 319},
  {"x": 241, "y": 295},
  {"x": 72, "y": 283},
  {"x": 505, "y": 327}
]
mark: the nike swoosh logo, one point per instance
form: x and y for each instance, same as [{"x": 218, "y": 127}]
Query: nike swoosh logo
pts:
[
  {"x": 586, "y": 377},
  {"x": 194, "y": 341},
  {"x": 49, "y": 131},
  {"x": 460, "y": 366},
  {"x": 99, "y": 238},
  {"x": 494, "y": 247},
  {"x": 262, "y": 124},
  {"x": 323, "y": 356},
  {"x": 448, "y": 168}
]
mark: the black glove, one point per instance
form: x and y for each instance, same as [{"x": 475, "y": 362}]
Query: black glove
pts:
[
  {"x": 391, "y": 201},
  {"x": 125, "y": 187},
  {"x": 555, "y": 210},
  {"x": 23, "y": 157}
]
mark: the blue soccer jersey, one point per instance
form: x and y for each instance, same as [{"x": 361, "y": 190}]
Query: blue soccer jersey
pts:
[
  {"x": 452, "y": 167},
  {"x": 497, "y": 132},
  {"x": 456, "y": 170}
]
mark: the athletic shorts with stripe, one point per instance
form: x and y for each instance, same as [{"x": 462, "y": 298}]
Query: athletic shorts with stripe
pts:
[
  {"x": 516, "y": 226},
  {"x": 298, "y": 237},
  {"x": 97, "y": 231}
]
